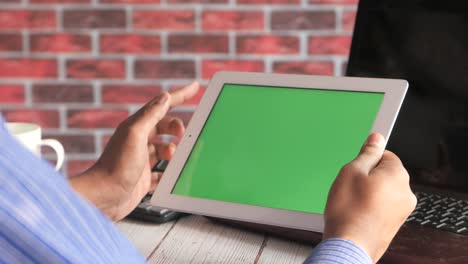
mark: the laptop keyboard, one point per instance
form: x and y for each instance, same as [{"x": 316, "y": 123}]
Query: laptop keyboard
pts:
[{"x": 441, "y": 212}]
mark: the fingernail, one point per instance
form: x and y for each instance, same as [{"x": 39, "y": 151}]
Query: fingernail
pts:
[{"x": 376, "y": 139}]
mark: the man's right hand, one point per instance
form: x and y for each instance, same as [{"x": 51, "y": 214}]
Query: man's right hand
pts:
[{"x": 370, "y": 199}]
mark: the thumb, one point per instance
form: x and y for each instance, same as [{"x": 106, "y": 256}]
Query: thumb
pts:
[
  {"x": 371, "y": 152},
  {"x": 149, "y": 115}
]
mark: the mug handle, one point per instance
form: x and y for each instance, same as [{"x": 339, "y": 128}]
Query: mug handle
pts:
[{"x": 58, "y": 148}]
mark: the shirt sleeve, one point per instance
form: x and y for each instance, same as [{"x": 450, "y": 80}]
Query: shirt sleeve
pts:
[
  {"x": 42, "y": 220},
  {"x": 336, "y": 250}
]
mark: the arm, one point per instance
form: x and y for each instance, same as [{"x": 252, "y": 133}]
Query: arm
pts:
[
  {"x": 42, "y": 220},
  {"x": 122, "y": 176},
  {"x": 355, "y": 219}
]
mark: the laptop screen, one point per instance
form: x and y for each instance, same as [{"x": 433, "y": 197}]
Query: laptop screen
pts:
[{"x": 426, "y": 43}]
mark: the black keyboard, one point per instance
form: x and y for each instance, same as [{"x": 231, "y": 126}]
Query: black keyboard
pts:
[{"x": 441, "y": 212}]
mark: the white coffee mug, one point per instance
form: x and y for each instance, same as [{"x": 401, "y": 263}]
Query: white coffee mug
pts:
[{"x": 30, "y": 136}]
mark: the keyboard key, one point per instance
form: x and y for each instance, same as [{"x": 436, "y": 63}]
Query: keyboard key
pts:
[
  {"x": 425, "y": 222},
  {"x": 451, "y": 209},
  {"x": 144, "y": 206},
  {"x": 449, "y": 228},
  {"x": 415, "y": 214},
  {"x": 424, "y": 199},
  {"x": 433, "y": 224},
  {"x": 422, "y": 209},
  {"x": 428, "y": 217},
  {"x": 462, "y": 224},
  {"x": 157, "y": 210},
  {"x": 451, "y": 221},
  {"x": 417, "y": 221},
  {"x": 441, "y": 225},
  {"x": 431, "y": 211}
]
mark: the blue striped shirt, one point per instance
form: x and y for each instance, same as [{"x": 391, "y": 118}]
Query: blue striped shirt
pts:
[
  {"x": 42, "y": 220},
  {"x": 336, "y": 250}
]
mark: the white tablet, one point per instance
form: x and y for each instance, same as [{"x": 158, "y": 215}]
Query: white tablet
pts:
[{"x": 266, "y": 148}]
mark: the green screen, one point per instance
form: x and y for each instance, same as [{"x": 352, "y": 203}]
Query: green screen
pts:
[{"x": 277, "y": 147}]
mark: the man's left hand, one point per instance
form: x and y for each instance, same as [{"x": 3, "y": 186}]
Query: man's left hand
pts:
[{"x": 122, "y": 176}]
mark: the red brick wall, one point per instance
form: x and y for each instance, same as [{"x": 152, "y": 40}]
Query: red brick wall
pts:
[{"x": 79, "y": 67}]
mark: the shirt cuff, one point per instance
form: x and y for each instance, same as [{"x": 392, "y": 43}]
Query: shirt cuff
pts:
[{"x": 337, "y": 250}]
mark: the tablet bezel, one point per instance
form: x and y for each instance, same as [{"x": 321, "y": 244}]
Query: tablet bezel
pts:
[{"x": 394, "y": 93}]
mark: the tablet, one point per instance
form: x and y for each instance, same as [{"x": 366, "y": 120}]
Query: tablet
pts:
[{"x": 266, "y": 148}]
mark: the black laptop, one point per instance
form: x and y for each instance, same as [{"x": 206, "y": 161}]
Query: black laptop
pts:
[{"x": 426, "y": 43}]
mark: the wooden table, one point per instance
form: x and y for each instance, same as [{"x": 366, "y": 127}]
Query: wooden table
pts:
[{"x": 195, "y": 239}]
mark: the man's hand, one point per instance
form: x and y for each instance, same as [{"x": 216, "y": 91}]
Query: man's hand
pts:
[
  {"x": 370, "y": 199},
  {"x": 122, "y": 175}
]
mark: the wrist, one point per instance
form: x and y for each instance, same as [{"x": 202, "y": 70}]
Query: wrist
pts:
[{"x": 92, "y": 186}]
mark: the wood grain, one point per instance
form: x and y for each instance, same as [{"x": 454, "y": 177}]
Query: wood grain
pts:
[
  {"x": 284, "y": 252},
  {"x": 195, "y": 239},
  {"x": 145, "y": 236}
]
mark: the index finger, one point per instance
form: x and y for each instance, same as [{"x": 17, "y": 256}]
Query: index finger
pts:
[{"x": 178, "y": 97}]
